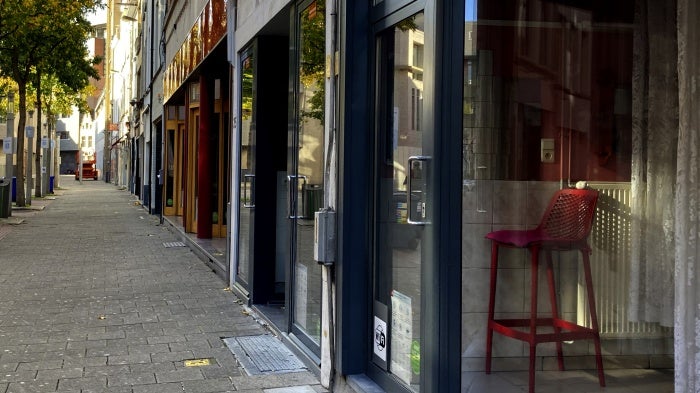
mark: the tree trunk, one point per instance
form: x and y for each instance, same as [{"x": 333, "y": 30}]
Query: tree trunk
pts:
[{"x": 19, "y": 157}]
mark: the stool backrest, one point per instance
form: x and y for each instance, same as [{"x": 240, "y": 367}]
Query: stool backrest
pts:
[{"x": 569, "y": 215}]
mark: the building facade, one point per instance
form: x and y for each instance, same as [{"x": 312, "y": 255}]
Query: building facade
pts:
[{"x": 420, "y": 131}]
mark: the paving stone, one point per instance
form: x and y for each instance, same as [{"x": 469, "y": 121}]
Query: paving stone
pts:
[
  {"x": 172, "y": 356},
  {"x": 131, "y": 379},
  {"x": 148, "y": 349},
  {"x": 179, "y": 375},
  {"x": 129, "y": 359},
  {"x": 33, "y": 386},
  {"x": 55, "y": 346},
  {"x": 84, "y": 362},
  {"x": 166, "y": 339},
  {"x": 208, "y": 385},
  {"x": 88, "y": 383},
  {"x": 221, "y": 372},
  {"x": 158, "y": 388},
  {"x": 152, "y": 367},
  {"x": 106, "y": 370},
  {"x": 291, "y": 389},
  {"x": 60, "y": 373},
  {"x": 41, "y": 365},
  {"x": 273, "y": 380},
  {"x": 17, "y": 376},
  {"x": 106, "y": 335},
  {"x": 113, "y": 389}
]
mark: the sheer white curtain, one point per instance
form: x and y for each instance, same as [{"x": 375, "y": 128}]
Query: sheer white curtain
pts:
[
  {"x": 654, "y": 152},
  {"x": 687, "y": 205}
]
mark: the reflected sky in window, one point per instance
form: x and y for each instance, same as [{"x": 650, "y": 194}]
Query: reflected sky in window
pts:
[{"x": 470, "y": 10}]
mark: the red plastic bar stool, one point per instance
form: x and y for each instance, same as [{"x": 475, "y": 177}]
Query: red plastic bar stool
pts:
[{"x": 565, "y": 226}]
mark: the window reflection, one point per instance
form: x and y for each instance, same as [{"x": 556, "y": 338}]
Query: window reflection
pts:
[
  {"x": 548, "y": 101},
  {"x": 247, "y": 170}
]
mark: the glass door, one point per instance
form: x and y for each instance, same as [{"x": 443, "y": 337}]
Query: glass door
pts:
[
  {"x": 192, "y": 191},
  {"x": 247, "y": 169},
  {"x": 402, "y": 200},
  {"x": 218, "y": 139},
  {"x": 305, "y": 174},
  {"x": 180, "y": 173},
  {"x": 173, "y": 165}
]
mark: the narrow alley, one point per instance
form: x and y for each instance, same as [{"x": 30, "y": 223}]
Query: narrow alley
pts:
[{"x": 96, "y": 296}]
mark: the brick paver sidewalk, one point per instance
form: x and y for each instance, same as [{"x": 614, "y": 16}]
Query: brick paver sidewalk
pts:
[{"x": 91, "y": 301}]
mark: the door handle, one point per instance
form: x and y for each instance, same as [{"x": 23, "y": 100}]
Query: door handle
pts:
[
  {"x": 293, "y": 181},
  {"x": 420, "y": 207},
  {"x": 249, "y": 178}
]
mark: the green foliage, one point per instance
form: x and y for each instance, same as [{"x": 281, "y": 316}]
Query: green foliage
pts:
[
  {"x": 56, "y": 97},
  {"x": 44, "y": 37},
  {"x": 6, "y": 85},
  {"x": 247, "y": 88},
  {"x": 408, "y": 24},
  {"x": 312, "y": 59}
]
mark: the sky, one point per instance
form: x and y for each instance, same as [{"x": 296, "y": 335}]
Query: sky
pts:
[{"x": 99, "y": 17}]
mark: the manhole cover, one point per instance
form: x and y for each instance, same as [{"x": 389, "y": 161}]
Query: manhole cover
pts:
[
  {"x": 263, "y": 355},
  {"x": 173, "y": 244}
]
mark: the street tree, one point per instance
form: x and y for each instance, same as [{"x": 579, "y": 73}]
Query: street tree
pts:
[
  {"x": 69, "y": 77},
  {"x": 53, "y": 97},
  {"x": 43, "y": 36}
]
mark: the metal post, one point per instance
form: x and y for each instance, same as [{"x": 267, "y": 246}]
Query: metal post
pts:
[
  {"x": 9, "y": 158},
  {"x": 56, "y": 160},
  {"x": 106, "y": 159},
  {"x": 46, "y": 179},
  {"x": 80, "y": 151},
  {"x": 29, "y": 133}
]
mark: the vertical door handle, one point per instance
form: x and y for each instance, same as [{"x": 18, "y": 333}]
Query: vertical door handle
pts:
[
  {"x": 293, "y": 181},
  {"x": 249, "y": 179},
  {"x": 420, "y": 206}
]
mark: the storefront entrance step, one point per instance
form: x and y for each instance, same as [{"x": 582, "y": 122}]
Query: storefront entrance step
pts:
[{"x": 361, "y": 383}]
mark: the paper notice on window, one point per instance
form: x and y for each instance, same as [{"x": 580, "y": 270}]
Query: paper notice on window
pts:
[
  {"x": 401, "y": 336},
  {"x": 301, "y": 295}
]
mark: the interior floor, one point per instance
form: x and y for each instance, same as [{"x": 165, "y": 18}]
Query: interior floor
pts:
[{"x": 618, "y": 381}]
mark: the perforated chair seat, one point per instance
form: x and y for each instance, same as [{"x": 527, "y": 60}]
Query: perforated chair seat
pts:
[{"x": 565, "y": 226}]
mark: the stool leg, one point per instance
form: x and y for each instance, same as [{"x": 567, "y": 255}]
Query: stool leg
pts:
[
  {"x": 534, "y": 265},
  {"x": 555, "y": 310},
  {"x": 492, "y": 304},
  {"x": 594, "y": 315}
]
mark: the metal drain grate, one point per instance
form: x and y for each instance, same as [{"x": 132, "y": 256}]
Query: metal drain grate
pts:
[
  {"x": 4, "y": 230},
  {"x": 173, "y": 244},
  {"x": 263, "y": 355}
]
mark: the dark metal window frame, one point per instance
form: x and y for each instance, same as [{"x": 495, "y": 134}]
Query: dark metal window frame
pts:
[{"x": 440, "y": 358}]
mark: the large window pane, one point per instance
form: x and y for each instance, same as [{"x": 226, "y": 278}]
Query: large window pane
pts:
[{"x": 549, "y": 101}]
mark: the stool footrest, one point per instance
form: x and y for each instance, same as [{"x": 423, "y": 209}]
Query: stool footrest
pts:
[{"x": 572, "y": 331}]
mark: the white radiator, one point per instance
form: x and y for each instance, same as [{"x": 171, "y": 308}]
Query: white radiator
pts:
[{"x": 610, "y": 265}]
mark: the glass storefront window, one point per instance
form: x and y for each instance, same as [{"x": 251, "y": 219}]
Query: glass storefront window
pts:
[{"x": 560, "y": 94}]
